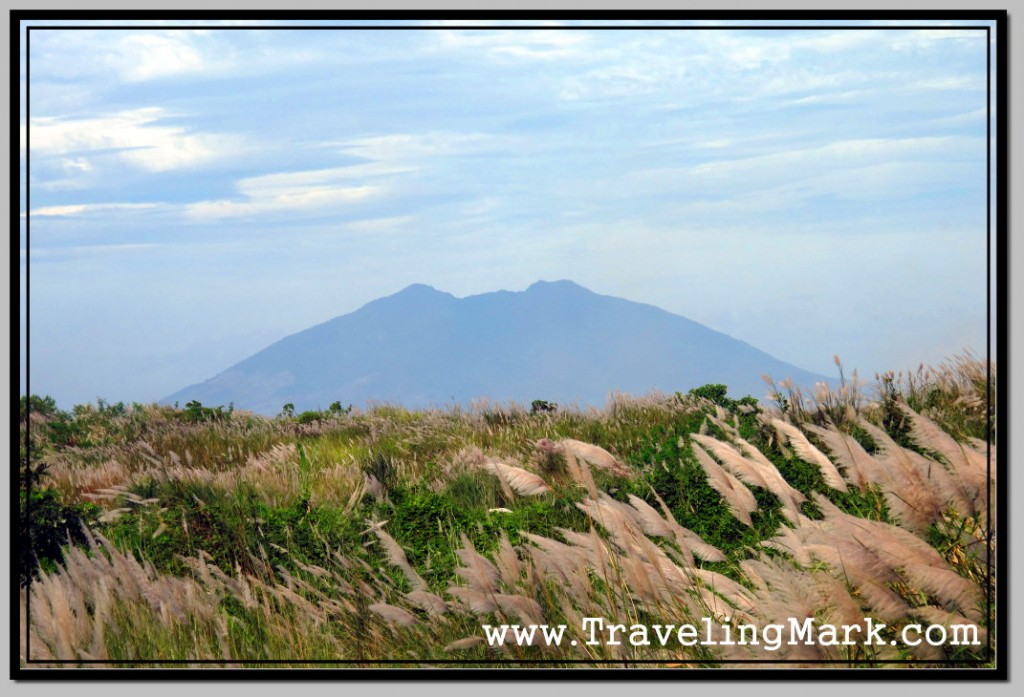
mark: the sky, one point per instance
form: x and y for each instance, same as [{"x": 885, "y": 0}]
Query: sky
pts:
[{"x": 196, "y": 194}]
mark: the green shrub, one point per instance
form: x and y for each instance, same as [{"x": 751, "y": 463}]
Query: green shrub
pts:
[
  {"x": 195, "y": 412},
  {"x": 308, "y": 417},
  {"x": 717, "y": 393},
  {"x": 540, "y": 406},
  {"x": 46, "y": 523},
  {"x": 44, "y": 406}
]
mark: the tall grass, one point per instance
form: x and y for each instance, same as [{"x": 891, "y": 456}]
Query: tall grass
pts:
[{"x": 392, "y": 535}]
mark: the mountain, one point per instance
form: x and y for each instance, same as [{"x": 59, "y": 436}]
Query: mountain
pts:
[{"x": 555, "y": 341}]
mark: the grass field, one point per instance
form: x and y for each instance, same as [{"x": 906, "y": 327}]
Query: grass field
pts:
[{"x": 206, "y": 533}]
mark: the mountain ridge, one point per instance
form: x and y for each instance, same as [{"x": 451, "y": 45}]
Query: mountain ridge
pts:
[{"x": 556, "y": 340}]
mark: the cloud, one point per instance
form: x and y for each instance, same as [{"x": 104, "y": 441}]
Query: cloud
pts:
[
  {"x": 417, "y": 147},
  {"x": 937, "y": 39},
  {"x": 620, "y": 81},
  {"x": 814, "y": 81},
  {"x": 742, "y": 65},
  {"x": 136, "y": 137},
  {"x": 837, "y": 154},
  {"x": 147, "y": 56},
  {"x": 974, "y": 117},
  {"x": 85, "y": 208},
  {"x": 381, "y": 225},
  {"x": 952, "y": 82},
  {"x": 856, "y": 169},
  {"x": 836, "y": 41},
  {"x": 127, "y": 55},
  {"x": 63, "y": 253},
  {"x": 385, "y": 161},
  {"x": 78, "y": 164},
  {"x": 516, "y": 45},
  {"x": 288, "y": 192}
]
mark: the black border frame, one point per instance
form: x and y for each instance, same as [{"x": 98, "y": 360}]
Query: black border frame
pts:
[{"x": 428, "y": 671}]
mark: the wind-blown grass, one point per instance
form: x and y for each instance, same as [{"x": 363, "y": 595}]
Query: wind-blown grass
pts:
[{"x": 393, "y": 535}]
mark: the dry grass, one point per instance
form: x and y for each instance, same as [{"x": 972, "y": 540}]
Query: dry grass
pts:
[{"x": 634, "y": 562}]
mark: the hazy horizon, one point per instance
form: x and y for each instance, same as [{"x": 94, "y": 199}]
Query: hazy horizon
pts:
[{"x": 199, "y": 194}]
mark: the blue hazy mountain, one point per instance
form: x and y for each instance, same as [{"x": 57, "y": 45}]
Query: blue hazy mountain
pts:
[{"x": 554, "y": 341}]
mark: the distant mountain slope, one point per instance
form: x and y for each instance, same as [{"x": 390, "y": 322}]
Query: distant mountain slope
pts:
[{"x": 555, "y": 341}]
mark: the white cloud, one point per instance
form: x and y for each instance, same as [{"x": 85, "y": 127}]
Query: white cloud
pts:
[
  {"x": 953, "y": 82},
  {"x": 78, "y": 164},
  {"x": 811, "y": 80},
  {"x": 76, "y": 175},
  {"x": 416, "y": 147},
  {"x": 125, "y": 55},
  {"x": 380, "y": 225},
  {"x": 860, "y": 169},
  {"x": 136, "y": 136},
  {"x": 620, "y": 80},
  {"x": 692, "y": 66},
  {"x": 80, "y": 250},
  {"x": 82, "y": 208},
  {"x": 968, "y": 117},
  {"x": 146, "y": 56},
  {"x": 839, "y": 153},
  {"x": 387, "y": 159},
  {"x": 270, "y": 184},
  {"x": 936, "y": 39},
  {"x": 838, "y": 40},
  {"x": 289, "y": 192},
  {"x": 714, "y": 144},
  {"x": 520, "y": 44}
]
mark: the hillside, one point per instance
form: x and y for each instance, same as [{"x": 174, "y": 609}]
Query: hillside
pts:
[{"x": 555, "y": 341}]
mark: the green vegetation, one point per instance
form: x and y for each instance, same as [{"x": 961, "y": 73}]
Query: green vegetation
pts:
[
  {"x": 542, "y": 406},
  {"x": 363, "y": 535},
  {"x": 46, "y": 523},
  {"x": 195, "y": 412}
]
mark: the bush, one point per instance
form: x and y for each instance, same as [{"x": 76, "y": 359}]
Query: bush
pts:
[
  {"x": 308, "y": 417},
  {"x": 46, "y": 523},
  {"x": 717, "y": 393},
  {"x": 44, "y": 406},
  {"x": 540, "y": 406},
  {"x": 195, "y": 412}
]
